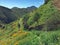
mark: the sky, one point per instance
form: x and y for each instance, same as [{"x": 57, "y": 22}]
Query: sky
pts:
[{"x": 21, "y": 3}]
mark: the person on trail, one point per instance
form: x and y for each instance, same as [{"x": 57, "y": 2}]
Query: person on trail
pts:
[
  {"x": 2, "y": 26},
  {"x": 19, "y": 26}
]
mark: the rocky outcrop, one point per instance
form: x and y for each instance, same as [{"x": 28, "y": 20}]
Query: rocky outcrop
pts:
[
  {"x": 54, "y": 2},
  {"x": 57, "y": 3}
]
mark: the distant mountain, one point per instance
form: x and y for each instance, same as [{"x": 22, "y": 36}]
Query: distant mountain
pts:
[
  {"x": 23, "y": 11},
  {"x": 8, "y": 15}
]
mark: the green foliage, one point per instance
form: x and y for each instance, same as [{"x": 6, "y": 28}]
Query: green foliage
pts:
[
  {"x": 20, "y": 12},
  {"x": 33, "y": 18},
  {"x": 47, "y": 15},
  {"x": 30, "y": 37}
]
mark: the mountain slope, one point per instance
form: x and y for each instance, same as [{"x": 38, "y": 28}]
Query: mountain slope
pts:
[
  {"x": 6, "y": 15},
  {"x": 46, "y": 17},
  {"x": 20, "y": 12}
]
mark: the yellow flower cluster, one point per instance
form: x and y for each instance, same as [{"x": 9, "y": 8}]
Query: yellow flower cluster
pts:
[
  {"x": 2, "y": 43},
  {"x": 15, "y": 34},
  {"x": 16, "y": 43}
]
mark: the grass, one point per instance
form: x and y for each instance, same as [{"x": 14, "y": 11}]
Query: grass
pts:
[{"x": 30, "y": 38}]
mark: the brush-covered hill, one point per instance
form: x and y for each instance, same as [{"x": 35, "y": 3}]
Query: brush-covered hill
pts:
[
  {"x": 20, "y": 12},
  {"x": 8, "y": 15},
  {"x": 46, "y": 17}
]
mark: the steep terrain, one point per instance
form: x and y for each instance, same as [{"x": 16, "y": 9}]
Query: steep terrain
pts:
[
  {"x": 46, "y": 17},
  {"x": 43, "y": 22},
  {"x": 57, "y": 3},
  {"x": 8, "y": 15},
  {"x": 20, "y": 12}
]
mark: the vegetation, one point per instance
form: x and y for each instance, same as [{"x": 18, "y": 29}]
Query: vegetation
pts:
[
  {"x": 17, "y": 37},
  {"x": 9, "y": 15},
  {"x": 40, "y": 27},
  {"x": 47, "y": 16}
]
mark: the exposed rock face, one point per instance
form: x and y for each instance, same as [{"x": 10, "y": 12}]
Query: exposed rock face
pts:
[{"x": 57, "y": 3}]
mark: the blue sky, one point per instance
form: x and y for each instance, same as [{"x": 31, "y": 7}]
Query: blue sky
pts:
[{"x": 21, "y": 3}]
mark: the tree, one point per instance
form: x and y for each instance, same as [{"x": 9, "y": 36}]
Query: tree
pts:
[{"x": 46, "y": 1}]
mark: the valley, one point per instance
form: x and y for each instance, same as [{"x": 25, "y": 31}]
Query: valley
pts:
[{"x": 31, "y": 25}]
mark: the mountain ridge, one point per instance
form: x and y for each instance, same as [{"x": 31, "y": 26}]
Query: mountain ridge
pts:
[{"x": 8, "y": 15}]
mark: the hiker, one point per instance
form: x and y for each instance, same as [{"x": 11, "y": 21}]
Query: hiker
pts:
[
  {"x": 2, "y": 26},
  {"x": 19, "y": 26}
]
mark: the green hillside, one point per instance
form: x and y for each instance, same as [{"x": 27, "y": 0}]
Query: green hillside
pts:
[
  {"x": 11, "y": 35},
  {"x": 40, "y": 27},
  {"x": 45, "y": 17},
  {"x": 20, "y": 12}
]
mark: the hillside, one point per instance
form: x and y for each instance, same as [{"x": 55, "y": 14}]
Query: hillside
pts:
[
  {"x": 45, "y": 17},
  {"x": 39, "y": 27},
  {"x": 8, "y": 15},
  {"x": 20, "y": 12}
]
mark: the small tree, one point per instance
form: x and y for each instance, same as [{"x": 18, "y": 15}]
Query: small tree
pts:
[{"x": 46, "y": 1}]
